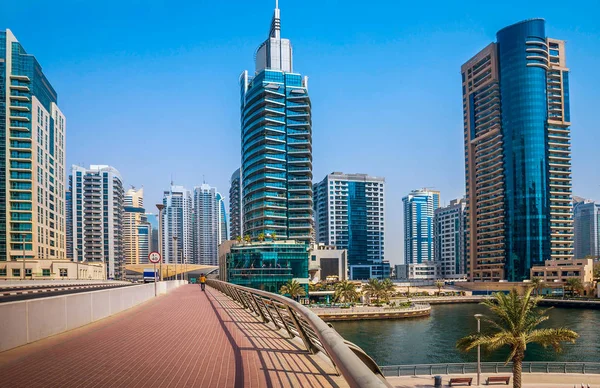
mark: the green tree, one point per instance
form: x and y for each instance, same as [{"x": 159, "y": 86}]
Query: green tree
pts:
[
  {"x": 597, "y": 271},
  {"x": 515, "y": 325},
  {"x": 537, "y": 284},
  {"x": 374, "y": 288},
  {"x": 274, "y": 236},
  {"x": 387, "y": 289},
  {"x": 293, "y": 289},
  {"x": 439, "y": 284},
  {"x": 345, "y": 292},
  {"x": 247, "y": 239},
  {"x": 261, "y": 237},
  {"x": 574, "y": 285},
  {"x": 238, "y": 239}
]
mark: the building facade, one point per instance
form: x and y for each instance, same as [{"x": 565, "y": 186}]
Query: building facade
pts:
[
  {"x": 177, "y": 226},
  {"x": 587, "y": 229},
  {"x": 32, "y": 162},
  {"x": 419, "y": 208},
  {"x": 517, "y": 153},
  {"x": 222, "y": 216},
  {"x": 327, "y": 263},
  {"x": 350, "y": 214},
  {"x": 136, "y": 229},
  {"x": 276, "y": 144},
  {"x": 236, "y": 222},
  {"x": 97, "y": 200},
  {"x": 207, "y": 224},
  {"x": 153, "y": 221},
  {"x": 450, "y": 233}
]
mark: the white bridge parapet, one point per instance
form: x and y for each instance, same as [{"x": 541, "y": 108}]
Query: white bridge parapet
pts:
[{"x": 30, "y": 320}]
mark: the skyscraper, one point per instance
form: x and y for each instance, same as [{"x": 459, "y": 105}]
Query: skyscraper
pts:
[
  {"x": 350, "y": 214},
  {"x": 419, "y": 208},
  {"x": 177, "y": 231},
  {"x": 276, "y": 143},
  {"x": 153, "y": 221},
  {"x": 97, "y": 217},
  {"x": 222, "y": 216},
  {"x": 587, "y": 229},
  {"x": 236, "y": 222},
  {"x": 450, "y": 253},
  {"x": 517, "y": 153},
  {"x": 32, "y": 161},
  {"x": 207, "y": 226},
  {"x": 136, "y": 230}
]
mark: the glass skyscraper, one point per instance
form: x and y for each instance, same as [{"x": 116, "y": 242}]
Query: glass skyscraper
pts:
[
  {"x": 419, "y": 210},
  {"x": 587, "y": 229},
  {"x": 517, "y": 153},
  {"x": 235, "y": 206},
  {"x": 350, "y": 214},
  {"x": 276, "y": 144}
]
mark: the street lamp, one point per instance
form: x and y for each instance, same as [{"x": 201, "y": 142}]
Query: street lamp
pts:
[
  {"x": 478, "y": 317},
  {"x": 23, "y": 246},
  {"x": 175, "y": 249},
  {"x": 160, "y": 208}
]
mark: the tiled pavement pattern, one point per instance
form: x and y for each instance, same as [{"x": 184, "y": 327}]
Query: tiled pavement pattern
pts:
[{"x": 184, "y": 339}]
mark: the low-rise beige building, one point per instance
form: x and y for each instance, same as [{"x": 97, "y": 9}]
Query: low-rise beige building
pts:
[
  {"x": 51, "y": 270},
  {"x": 326, "y": 261},
  {"x": 559, "y": 271}
]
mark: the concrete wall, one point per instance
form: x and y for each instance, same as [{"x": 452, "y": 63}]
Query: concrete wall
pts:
[{"x": 30, "y": 320}]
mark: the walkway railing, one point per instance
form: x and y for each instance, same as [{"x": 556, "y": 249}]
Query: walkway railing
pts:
[
  {"x": 491, "y": 367},
  {"x": 358, "y": 369}
]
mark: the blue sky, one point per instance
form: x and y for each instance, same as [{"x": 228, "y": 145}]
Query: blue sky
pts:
[{"x": 151, "y": 87}]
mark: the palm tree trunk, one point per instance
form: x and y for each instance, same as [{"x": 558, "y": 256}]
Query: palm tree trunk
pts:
[{"x": 517, "y": 370}]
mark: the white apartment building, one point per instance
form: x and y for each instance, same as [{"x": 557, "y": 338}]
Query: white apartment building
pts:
[
  {"x": 97, "y": 199},
  {"x": 177, "y": 230},
  {"x": 136, "y": 229},
  {"x": 207, "y": 224},
  {"x": 450, "y": 240}
]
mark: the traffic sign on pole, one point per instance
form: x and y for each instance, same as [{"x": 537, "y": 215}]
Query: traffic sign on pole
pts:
[{"x": 154, "y": 257}]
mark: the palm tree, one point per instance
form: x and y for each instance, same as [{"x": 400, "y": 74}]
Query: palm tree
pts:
[
  {"x": 293, "y": 289},
  {"x": 274, "y": 236},
  {"x": 439, "y": 284},
  {"x": 345, "y": 292},
  {"x": 574, "y": 285},
  {"x": 515, "y": 325},
  {"x": 261, "y": 237},
  {"x": 387, "y": 289},
  {"x": 373, "y": 288},
  {"x": 238, "y": 239},
  {"x": 247, "y": 239},
  {"x": 537, "y": 284}
]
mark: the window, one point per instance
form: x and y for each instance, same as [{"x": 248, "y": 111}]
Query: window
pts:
[
  {"x": 2, "y": 271},
  {"x": 63, "y": 272},
  {"x": 16, "y": 272},
  {"x": 46, "y": 272},
  {"x": 28, "y": 272}
]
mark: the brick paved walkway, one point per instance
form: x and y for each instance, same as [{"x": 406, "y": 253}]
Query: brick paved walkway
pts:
[{"x": 184, "y": 339}]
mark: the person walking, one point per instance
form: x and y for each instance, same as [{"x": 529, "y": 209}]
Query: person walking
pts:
[{"x": 202, "y": 281}]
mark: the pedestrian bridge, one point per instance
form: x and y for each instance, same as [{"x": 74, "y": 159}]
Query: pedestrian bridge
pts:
[{"x": 228, "y": 336}]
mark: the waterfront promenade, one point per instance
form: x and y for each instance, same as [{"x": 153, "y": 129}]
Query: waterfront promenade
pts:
[
  {"x": 530, "y": 380},
  {"x": 184, "y": 339}
]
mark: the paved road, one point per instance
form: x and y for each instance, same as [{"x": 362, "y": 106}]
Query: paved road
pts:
[
  {"x": 184, "y": 339},
  {"x": 16, "y": 294}
]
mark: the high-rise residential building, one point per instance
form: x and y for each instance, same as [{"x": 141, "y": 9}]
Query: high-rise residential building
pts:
[
  {"x": 450, "y": 253},
  {"x": 153, "y": 221},
  {"x": 97, "y": 200},
  {"x": 207, "y": 224},
  {"x": 350, "y": 214},
  {"x": 276, "y": 144},
  {"x": 236, "y": 223},
  {"x": 32, "y": 163},
  {"x": 517, "y": 153},
  {"x": 136, "y": 229},
  {"x": 177, "y": 226},
  {"x": 419, "y": 208},
  {"x": 222, "y": 217},
  {"x": 587, "y": 229}
]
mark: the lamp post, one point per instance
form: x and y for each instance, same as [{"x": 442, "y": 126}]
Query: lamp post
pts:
[
  {"x": 175, "y": 251},
  {"x": 160, "y": 208},
  {"x": 77, "y": 261},
  {"x": 478, "y": 317},
  {"x": 23, "y": 246}
]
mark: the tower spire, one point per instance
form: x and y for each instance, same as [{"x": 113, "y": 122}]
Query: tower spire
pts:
[{"x": 275, "y": 23}]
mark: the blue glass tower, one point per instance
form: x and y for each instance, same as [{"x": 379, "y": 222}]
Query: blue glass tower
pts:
[
  {"x": 419, "y": 210},
  {"x": 517, "y": 147},
  {"x": 276, "y": 142}
]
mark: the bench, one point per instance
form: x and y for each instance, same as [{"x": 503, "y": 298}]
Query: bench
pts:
[
  {"x": 460, "y": 380},
  {"x": 498, "y": 379}
]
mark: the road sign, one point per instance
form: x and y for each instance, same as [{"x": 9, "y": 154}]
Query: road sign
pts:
[{"x": 154, "y": 257}]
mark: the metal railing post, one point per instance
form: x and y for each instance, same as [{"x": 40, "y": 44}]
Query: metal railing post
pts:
[
  {"x": 301, "y": 332},
  {"x": 259, "y": 309},
  {"x": 283, "y": 321},
  {"x": 270, "y": 315}
]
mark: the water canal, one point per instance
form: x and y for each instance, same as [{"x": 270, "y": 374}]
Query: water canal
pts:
[{"x": 432, "y": 339}]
